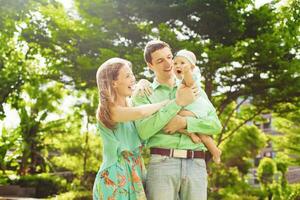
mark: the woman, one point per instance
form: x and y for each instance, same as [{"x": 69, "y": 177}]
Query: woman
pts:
[{"x": 120, "y": 175}]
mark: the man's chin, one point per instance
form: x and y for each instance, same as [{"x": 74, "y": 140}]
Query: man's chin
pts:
[{"x": 169, "y": 74}]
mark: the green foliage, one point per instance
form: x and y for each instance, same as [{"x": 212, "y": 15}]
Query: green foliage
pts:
[
  {"x": 74, "y": 195},
  {"x": 49, "y": 57},
  {"x": 271, "y": 175},
  {"x": 266, "y": 171},
  {"x": 282, "y": 163},
  {"x": 71, "y": 156},
  {"x": 4, "y": 180},
  {"x": 45, "y": 184},
  {"x": 77, "y": 148},
  {"x": 266, "y": 174},
  {"x": 41, "y": 100},
  {"x": 295, "y": 192},
  {"x": 227, "y": 183},
  {"x": 289, "y": 126},
  {"x": 9, "y": 141},
  {"x": 242, "y": 146},
  {"x": 233, "y": 196},
  {"x": 224, "y": 177}
]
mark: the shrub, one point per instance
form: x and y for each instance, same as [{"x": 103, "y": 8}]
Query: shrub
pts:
[
  {"x": 4, "y": 180},
  {"x": 45, "y": 184},
  {"x": 295, "y": 192},
  {"x": 74, "y": 195},
  {"x": 266, "y": 170}
]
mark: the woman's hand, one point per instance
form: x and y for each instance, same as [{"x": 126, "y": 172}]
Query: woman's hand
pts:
[{"x": 143, "y": 87}]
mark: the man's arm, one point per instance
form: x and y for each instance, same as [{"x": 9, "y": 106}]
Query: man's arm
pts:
[
  {"x": 185, "y": 119},
  {"x": 215, "y": 122},
  {"x": 149, "y": 126}
]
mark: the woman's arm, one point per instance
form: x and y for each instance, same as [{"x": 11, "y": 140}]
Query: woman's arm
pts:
[{"x": 124, "y": 114}]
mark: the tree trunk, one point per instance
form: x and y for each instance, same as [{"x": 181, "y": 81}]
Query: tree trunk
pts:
[{"x": 85, "y": 157}]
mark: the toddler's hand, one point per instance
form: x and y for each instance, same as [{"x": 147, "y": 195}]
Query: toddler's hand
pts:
[{"x": 186, "y": 68}]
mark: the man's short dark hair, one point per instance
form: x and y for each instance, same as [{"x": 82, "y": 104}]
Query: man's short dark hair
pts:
[{"x": 153, "y": 46}]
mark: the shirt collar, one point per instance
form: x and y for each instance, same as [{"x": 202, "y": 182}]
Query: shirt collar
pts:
[{"x": 156, "y": 84}]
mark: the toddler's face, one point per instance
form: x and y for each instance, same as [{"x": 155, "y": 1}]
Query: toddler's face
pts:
[{"x": 181, "y": 65}]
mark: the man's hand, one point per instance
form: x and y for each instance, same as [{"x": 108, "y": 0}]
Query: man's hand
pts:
[
  {"x": 175, "y": 124},
  {"x": 186, "y": 113}
]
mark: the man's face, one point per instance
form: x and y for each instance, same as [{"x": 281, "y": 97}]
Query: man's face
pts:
[{"x": 162, "y": 63}]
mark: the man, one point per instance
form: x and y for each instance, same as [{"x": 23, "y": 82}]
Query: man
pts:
[{"x": 177, "y": 169}]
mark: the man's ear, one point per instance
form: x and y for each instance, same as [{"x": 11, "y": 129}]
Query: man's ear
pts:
[{"x": 150, "y": 66}]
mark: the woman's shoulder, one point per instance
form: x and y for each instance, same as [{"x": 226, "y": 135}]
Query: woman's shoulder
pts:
[
  {"x": 102, "y": 128},
  {"x": 99, "y": 124},
  {"x": 118, "y": 126}
]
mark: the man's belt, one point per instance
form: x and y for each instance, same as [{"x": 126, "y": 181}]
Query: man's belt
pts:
[{"x": 178, "y": 153}]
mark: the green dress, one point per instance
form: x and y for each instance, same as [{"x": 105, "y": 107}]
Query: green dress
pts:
[{"x": 122, "y": 169}]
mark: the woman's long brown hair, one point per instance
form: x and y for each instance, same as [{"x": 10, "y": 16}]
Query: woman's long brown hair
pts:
[{"x": 106, "y": 74}]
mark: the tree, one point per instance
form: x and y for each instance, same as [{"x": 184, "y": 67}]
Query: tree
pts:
[
  {"x": 243, "y": 51},
  {"x": 39, "y": 101},
  {"x": 242, "y": 147},
  {"x": 266, "y": 174},
  {"x": 288, "y": 125}
]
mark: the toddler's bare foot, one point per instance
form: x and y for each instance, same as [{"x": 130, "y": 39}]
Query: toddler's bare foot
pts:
[{"x": 217, "y": 156}]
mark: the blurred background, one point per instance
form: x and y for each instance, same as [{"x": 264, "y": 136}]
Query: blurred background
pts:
[{"x": 248, "y": 53}]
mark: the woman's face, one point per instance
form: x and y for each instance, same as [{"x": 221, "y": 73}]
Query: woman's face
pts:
[{"x": 125, "y": 83}]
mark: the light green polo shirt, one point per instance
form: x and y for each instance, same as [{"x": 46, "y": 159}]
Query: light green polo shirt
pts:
[{"x": 151, "y": 128}]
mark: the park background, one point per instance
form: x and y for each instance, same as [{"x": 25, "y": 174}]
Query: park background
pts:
[{"x": 248, "y": 54}]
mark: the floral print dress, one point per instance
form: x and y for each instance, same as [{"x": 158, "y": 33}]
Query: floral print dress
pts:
[{"x": 121, "y": 180}]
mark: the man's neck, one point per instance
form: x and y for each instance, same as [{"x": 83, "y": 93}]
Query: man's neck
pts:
[{"x": 169, "y": 82}]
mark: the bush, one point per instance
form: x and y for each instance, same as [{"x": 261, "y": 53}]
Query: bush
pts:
[
  {"x": 266, "y": 171},
  {"x": 295, "y": 192},
  {"x": 8, "y": 178},
  {"x": 4, "y": 180},
  {"x": 74, "y": 195},
  {"x": 238, "y": 192},
  {"x": 228, "y": 184},
  {"x": 239, "y": 197},
  {"x": 45, "y": 184}
]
